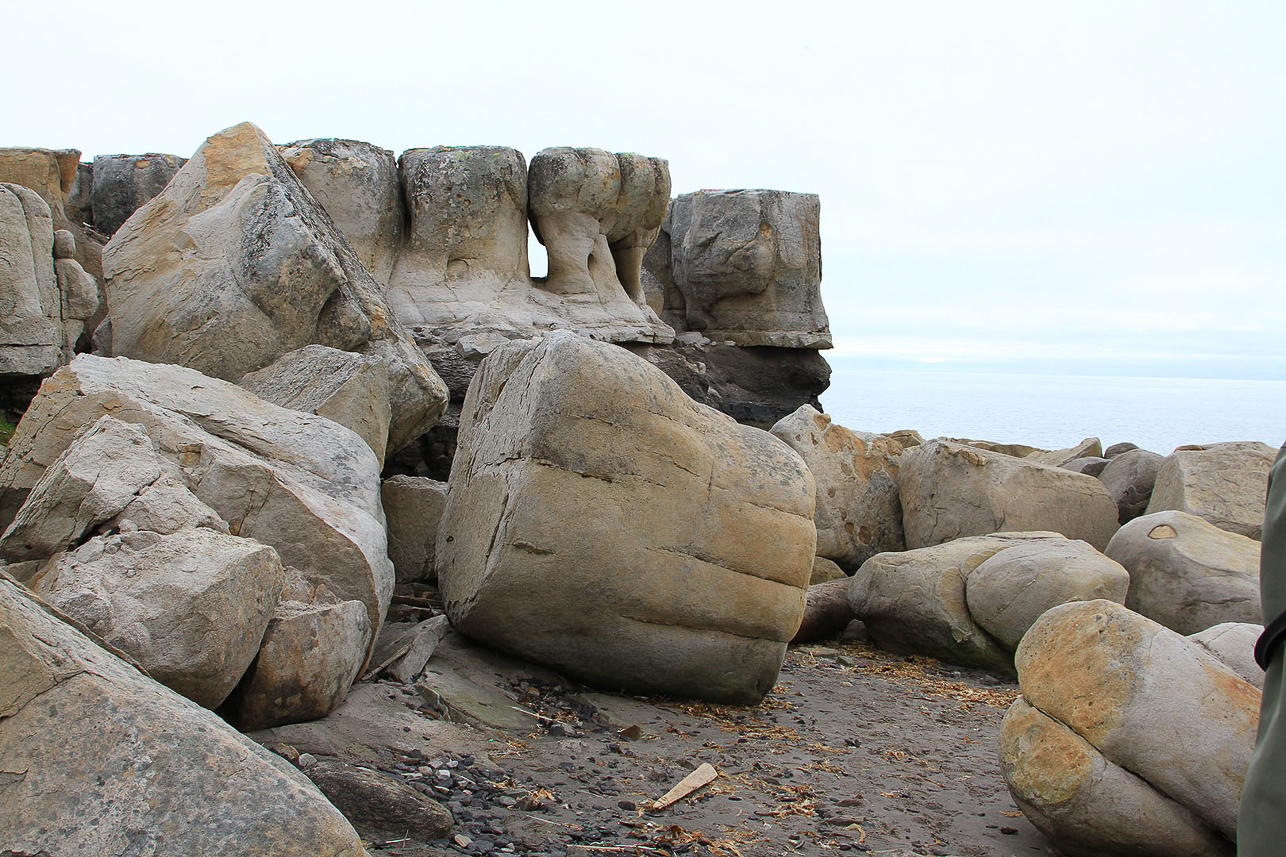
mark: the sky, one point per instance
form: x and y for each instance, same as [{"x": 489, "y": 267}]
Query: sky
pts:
[{"x": 1077, "y": 188}]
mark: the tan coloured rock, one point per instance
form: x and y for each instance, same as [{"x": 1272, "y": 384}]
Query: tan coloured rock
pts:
[
  {"x": 190, "y": 607},
  {"x": 51, "y": 173},
  {"x": 1186, "y": 573},
  {"x": 31, "y": 331},
  {"x": 81, "y": 295},
  {"x": 351, "y": 389},
  {"x": 1087, "y": 805},
  {"x": 949, "y": 490},
  {"x": 235, "y": 264},
  {"x": 825, "y": 570},
  {"x": 858, "y": 511},
  {"x": 1091, "y": 447},
  {"x": 300, "y": 483},
  {"x": 1149, "y": 700},
  {"x": 1225, "y": 483},
  {"x": 600, "y": 522},
  {"x": 1234, "y": 644},
  {"x": 413, "y": 507},
  {"x": 114, "y": 763},
  {"x": 357, "y": 184}
]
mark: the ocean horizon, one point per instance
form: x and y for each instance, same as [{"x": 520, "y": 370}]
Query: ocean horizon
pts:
[{"x": 1055, "y": 411}]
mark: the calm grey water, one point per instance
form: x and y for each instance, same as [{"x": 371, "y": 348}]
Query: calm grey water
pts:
[{"x": 1057, "y": 411}]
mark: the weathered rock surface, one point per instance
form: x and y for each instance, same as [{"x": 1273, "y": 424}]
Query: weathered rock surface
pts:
[
  {"x": 1118, "y": 687},
  {"x": 300, "y": 483},
  {"x": 52, "y": 173},
  {"x": 1129, "y": 477},
  {"x": 601, "y": 522},
  {"x": 824, "y": 570},
  {"x": 235, "y": 264},
  {"x": 1186, "y": 573},
  {"x": 1091, "y": 466},
  {"x": 744, "y": 266},
  {"x": 858, "y": 511},
  {"x": 969, "y": 601},
  {"x": 1088, "y": 448},
  {"x": 1225, "y": 483},
  {"x": 82, "y": 299},
  {"x": 1234, "y": 644},
  {"x": 827, "y": 611},
  {"x": 949, "y": 491},
  {"x": 31, "y": 332},
  {"x": 107, "y": 761},
  {"x": 122, "y": 183},
  {"x": 357, "y": 184},
  {"x": 351, "y": 389},
  {"x": 381, "y": 807},
  {"x": 190, "y": 607},
  {"x": 413, "y": 507}
]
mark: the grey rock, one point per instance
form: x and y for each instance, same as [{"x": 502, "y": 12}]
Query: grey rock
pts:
[
  {"x": 413, "y": 507},
  {"x": 827, "y": 612},
  {"x": 1234, "y": 644},
  {"x": 1225, "y": 483},
  {"x": 381, "y": 807},
  {"x": 31, "y": 331},
  {"x": 1090, "y": 466},
  {"x": 122, "y": 183},
  {"x": 1117, "y": 448},
  {"x": 1130, "y": 477}
]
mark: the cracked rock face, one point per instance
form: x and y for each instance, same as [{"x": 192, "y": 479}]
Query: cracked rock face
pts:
[
  {"x": 122, "y": 183},
  {"x": 600, "y": 522},
  {"x": 31, "y": 332},
  {"x": 99, "y": 759},
  {"x": 1225, "y": 483},
  {"x": 1128, "y": 738},
  {"x": 235, "y": 264}
]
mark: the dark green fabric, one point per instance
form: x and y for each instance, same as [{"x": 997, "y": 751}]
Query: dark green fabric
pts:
[{"x": 1261, "y": 824}]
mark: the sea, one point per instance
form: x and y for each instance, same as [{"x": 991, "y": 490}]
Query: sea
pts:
[{"x": 1056, "y": 411}]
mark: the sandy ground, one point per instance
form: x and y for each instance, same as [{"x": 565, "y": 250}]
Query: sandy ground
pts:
[{"x": 855, "y": 750}]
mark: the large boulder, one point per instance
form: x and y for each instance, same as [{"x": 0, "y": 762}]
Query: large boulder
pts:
[
  {"x": 858, "y": 511},
  {"x": 235, "y": 264},
  {"x": 1225, "y": 483},
  {"x": 122, "y": 183},
  {"x": 413, "y": 507},
  {"x": 31, "y": 332},
  {"x": 357, "y": 184},
  {"x": 106, "y": 761},
  {"x": 1129, "y": 477},
  {"x": 302, "y": 484},
  {"x": 950, "y": 490},
  {"x": 600, "y": 522},
  {"x": 351, "y": 389},
  {"x": 969, "y": 601},
  {"x": 52, "y": 174},
  {"x": 1129, "y": 738},
  {"x": 744, "y": 266},
  {"x": 1186, "y": 573}
]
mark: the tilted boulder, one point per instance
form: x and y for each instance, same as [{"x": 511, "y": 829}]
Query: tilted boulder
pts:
[
  {"x": 413, "y": 507},
  {"x": 1225, "y": 483},
  {"x": 858, "y": 512},
  {"x": 744, "y": 266},
  {"x": 949, "y": 490},
  {"x": 1090, "y": 447},
  {"x": 1186, "y": 573},
  {"x": 600, "y": 522},
  {"x": 351, "y": 389},
  {"x": 122, "y": 183},
  {"x": 235, "y": 264},
  {"x": 111, "y": 762},
  {"x": 969, "y": 601},
  {"x": 357, "y": 184},
  {"x": 302, "y": 484},
  {"x": 1129, "y": 477},
  {"x": 1128, "y": 738},
  {"x": 31, "y": 331}
]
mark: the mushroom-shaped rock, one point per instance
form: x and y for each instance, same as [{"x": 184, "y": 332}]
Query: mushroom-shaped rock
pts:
[
  {"x": 858, "y": 511},
  {"x": 111, "y": 762},
  {"x": 1113, "y": 705},
  {"x": 235, "y": 264},
  {"x": 1225, "y": 483},
  {"x": 1186, "y": 573},
  {"x": 601, "y": 522},
  {"x": 950, "y": 490}
]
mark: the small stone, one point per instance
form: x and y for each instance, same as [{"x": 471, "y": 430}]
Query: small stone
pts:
[{"x": 307, "y": 760}]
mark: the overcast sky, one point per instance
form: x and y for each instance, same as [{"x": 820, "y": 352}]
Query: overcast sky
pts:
[{"x": 1084, "y": 187}]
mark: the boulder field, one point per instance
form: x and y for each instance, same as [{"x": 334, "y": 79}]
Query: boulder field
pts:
[{"x": 298, "y": 426}]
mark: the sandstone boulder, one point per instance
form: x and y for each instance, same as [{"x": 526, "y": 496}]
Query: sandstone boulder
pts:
[
  {"x": 745, "y": 266},
  {"x": 357, "y": 184},
  {"x": 969, "y": 601},
  {"x": 1225, "y": 483},
  {"x": 190, "y": 607},
  {"x": 600, "y": 522},
  {"x": 81, "y": 295},
  {"x": 52, "y": 174},
  {"x": 949, "y": 491},
  {"x": 351, "y": 389},
  {"x": 858, "y": 512},
  {"x": 108, "y": 761},
  {"x": 122, "y": 183},
  {"x": 1114, "y": 705},
  {"x": 1117, "y": 448},
  {"x": 302, "y": 484},
  {"x": 235, "y": 264},
  {"x": 1234, "y": 644},
  {"x": 413, "y": 506},
  {"x": 1129, "y": 477},
  {"x": 824, "y": 570},
  {"x": 31, "y": 332},
  {"x": 1088, "y": 448},
  {"x": 1186, "y": 573}
]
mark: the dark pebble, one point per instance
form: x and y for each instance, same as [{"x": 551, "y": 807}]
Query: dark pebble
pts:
[{"x": 627, "y": 805}]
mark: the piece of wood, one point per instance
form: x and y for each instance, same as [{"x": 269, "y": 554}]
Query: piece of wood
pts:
[{"x": 703, "y": 775}]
